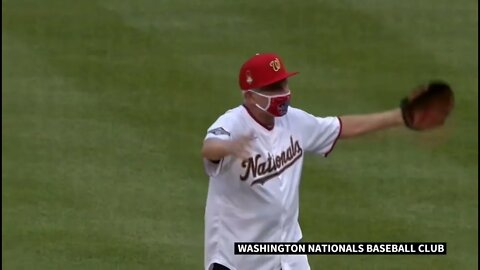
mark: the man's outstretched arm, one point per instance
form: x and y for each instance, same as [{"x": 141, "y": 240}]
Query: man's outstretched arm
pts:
[
  {"x": 427, "y": 107},
  {"x": 357, "y": 125}
]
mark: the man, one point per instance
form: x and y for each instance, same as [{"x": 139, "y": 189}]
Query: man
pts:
[{"x": 254, "y": 155}]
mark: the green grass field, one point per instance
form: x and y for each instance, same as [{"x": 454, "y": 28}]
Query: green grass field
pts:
[{"x": 105, "y": 105}]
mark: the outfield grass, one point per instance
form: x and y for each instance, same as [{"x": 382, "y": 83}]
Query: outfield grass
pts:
[{"x": 105, "y": 105}]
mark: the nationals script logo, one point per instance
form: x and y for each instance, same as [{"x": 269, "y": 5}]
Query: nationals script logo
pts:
[
  {"x": 273, "y": 165},
  {"x": 275, "y": 64}
]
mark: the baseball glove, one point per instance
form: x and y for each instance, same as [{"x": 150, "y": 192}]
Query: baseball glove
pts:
[{"x": 428, "y": 106}]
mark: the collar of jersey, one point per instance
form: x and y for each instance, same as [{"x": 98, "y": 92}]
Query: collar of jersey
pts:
[{"x": 256, "y": 120}]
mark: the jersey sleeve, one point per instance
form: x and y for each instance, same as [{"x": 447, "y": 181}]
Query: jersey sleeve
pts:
[
  {"x": 221, "y": 129},
  {"x": 320, "y": 134}
]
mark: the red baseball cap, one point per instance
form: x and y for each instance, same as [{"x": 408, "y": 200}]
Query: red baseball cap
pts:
[{"x": 262, "y": 70}]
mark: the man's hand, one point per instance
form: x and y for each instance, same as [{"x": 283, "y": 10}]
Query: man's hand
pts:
[
  {"x": 216, "y": 149},
  {"x": 428, "y": 106},
  {"x": 240, "y": 148}
]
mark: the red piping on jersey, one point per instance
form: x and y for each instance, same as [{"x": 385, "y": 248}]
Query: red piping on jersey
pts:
[
  {"x": 256, "y": 120},
  {"x": 336, "y": 139}
]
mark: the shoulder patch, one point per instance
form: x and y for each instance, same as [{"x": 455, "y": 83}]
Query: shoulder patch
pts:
[{"x": 219, "y": 131}]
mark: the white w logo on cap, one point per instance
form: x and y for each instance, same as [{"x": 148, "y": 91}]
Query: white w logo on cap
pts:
[{"x": 275, "y": 64}]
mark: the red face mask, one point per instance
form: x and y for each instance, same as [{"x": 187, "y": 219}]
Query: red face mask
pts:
[{"x": 277, "y": 105}]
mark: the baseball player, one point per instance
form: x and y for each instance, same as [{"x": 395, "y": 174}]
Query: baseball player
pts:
[{"x": 254, "y": 154}]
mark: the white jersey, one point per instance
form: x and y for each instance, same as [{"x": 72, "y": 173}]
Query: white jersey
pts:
[{"x": 257, "y": 200}]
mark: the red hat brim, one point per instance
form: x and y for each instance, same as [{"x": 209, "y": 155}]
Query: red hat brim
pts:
[{"x": 276, "y": 79}]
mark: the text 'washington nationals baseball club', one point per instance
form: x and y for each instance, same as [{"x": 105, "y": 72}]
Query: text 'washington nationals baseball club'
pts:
[{"x": 414, "y": 248}]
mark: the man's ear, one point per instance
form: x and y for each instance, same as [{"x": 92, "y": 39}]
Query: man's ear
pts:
[{"x": 248, "y": 96}]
